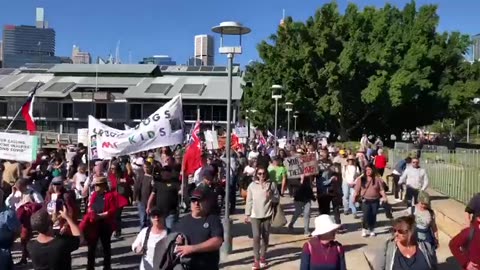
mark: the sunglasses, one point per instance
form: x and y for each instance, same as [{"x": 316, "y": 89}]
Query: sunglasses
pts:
[
  {"x": 400, "y": 231},
  {"x": 261, "y": 173},
  {"x": 195, "y": 201}
]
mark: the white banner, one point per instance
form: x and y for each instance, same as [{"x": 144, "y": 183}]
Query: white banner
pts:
[
  {"x": 18, "y": 147},
  {"x": 163, "y": 128},
  {"x": 211, "y": 139},
  {"x": 241, "y": 132}
]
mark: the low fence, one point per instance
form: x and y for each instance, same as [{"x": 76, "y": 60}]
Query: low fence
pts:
[{"x": 453, "y": 173}]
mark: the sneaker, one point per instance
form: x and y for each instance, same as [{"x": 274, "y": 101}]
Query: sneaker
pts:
[
  {"x": 355, "y": 216},
  {"x": 263, "y": 263},
  {"x": 364, "y": 233},
  {"x": 398, "y": 200},
  {"x": 256, "y": 265},
  {"x": 372, "y": 234}
]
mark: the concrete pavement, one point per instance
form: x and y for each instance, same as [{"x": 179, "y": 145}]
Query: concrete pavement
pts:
[{"x": 284, "y": 248}]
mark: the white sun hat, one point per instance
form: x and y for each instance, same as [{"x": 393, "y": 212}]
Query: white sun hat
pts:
[{"x": 323, "y": 225}]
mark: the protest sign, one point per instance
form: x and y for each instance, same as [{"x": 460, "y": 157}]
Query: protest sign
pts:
[
  {"x": 82, "y": 136},
  {"x": 310, "y": 164},
  {"x": 211, "y": 139},
  {"x": 162, "y": 128},
  {"x": 18, "y": 147},
  {"x": 241, "y": 132},
  {"x": 294, "y": 167},
  {"x": 282, "y": 143}
]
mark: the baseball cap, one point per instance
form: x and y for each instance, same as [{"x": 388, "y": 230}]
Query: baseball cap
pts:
[
  {"x": 198, "y": 194},
  {"x": 155, "y": 212}
]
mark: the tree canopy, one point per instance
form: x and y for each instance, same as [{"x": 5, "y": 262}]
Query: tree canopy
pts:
[{"x": 381, "y": 70}]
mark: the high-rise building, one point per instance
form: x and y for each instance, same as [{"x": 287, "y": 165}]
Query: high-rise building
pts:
[
  {"x": 192, "y": 61},
  {"x": 1, "y": 53},
  {"x": 29, "y": 44},
  {"x": 161, "y": 60},
  {"x": 79, "y": 57},
  {"x": 205, "y": 50},
  {"x": 476, "y": 47}
]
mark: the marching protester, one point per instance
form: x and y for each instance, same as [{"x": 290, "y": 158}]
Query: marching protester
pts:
[
  {"x": 400, "y": 167},
  {"x": 204, "y": 233},
  {"x": 9, "y": 230},
  {"x": 49, "y": 251},
  {"x": 303, "y": 198},
  {"x": 148, "y": 238},
  {"x": 369, "y": 191},
  {"x": 322, "y": 251},
  {"x": 465, "y": 246},
  {"x": 262, "y": 194},
  {"x": 142, "y": 192},
  {"x": 25, "y": 201},
  {"x": 350, "y": 173},
  {"x": 403, "y": 251},
  {"x": 121, "y": 182},
  {"x": 57, "y": 197},
  {"x": 100, "y": 221},
  {"x": 278, "y": 174},
  {"x": 416, "y": 179}
]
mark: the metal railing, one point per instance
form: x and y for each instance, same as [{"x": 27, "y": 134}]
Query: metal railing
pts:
[{"x": 453, "y": 173}]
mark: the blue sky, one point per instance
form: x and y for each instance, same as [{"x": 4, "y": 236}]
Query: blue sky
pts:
[{"x": 148, "y": 27}]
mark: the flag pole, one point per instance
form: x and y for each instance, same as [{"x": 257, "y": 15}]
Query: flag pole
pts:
[{"x": 20, "y": 110}]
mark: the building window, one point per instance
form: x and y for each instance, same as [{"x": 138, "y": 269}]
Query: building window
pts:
[
  {"x": 82, "y": 110},
  {"x": 219, "y": 113},
  {"x": 135, "y": 111},
  {"x": 67, "y": 110},
  {"x": 3, "y": 109},
  {"x": 117, "y": 111},
  {"x": 50, "y": 110},
  {"x": 206, "y": 113},
  {"x": 13, "y": 108},
  {"x": 190, "y": 112},
  {"x": 148, "y": 109},
  {"x": 100, "y": 110}
]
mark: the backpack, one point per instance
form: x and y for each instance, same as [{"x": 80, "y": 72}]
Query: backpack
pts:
[{"x": 145, "y": 241}]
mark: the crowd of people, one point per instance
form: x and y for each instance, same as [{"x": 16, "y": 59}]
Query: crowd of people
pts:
[{"x": 62, "y": 201}]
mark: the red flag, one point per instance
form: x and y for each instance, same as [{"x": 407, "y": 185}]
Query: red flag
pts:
[
  {"x": 192, "y": 160},
  {"x": 27, "y": 112}
]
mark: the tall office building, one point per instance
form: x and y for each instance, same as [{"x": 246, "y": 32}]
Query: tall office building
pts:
[
  {"x": 29, "y": 44},
  {"x": 79, "y": 57},
  {"x": 476, "y": 47},
  {"x": 1, "y": 53},
  {"x": 161, "y": 60},
  {"x": 205, "y": 50}
]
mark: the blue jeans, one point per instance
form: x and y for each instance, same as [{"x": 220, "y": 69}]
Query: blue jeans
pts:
[
  {"x": 170, "y": 221},
  {"x": 348, "y": 203},
  {"x": 142, "y": 214},
  {"x": 299, "y": 208},
  {"x": 370, "y": 210}
]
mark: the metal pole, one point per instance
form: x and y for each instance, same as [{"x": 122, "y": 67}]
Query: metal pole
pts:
[
  {"x": 275, "y": 133},
  {"x": 468, "y": 130},
  {"x": 295, "y": 124},
  {"x": 226, "y": 223},
  {"x": 288, "y": 125},
  {"x": 15, "y": 117}
]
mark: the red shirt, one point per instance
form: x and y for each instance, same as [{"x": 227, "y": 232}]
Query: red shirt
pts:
[
  {"x": 380, "y": 162},
  {"x": 460, "y": 240}
]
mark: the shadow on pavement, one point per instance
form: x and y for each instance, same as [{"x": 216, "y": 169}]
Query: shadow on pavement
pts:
[
  {"x": 449, "y": 264},
  {"x": 235, "y": 251},
  {"x": 348, "y": 248},
  {"x": 274, "y": 257}
]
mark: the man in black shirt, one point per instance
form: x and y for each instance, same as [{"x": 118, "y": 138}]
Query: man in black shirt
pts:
[
  {"x": 48, "y": 252},
  {"x": 263, "y": 159},
  {"x": 165, "y": 196},
  {"x": 204, "y": 234},
  {"x": 142, "y": 190}
]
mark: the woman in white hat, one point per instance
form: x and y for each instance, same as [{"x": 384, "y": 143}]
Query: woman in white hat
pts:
[{"x": 322, "y": 251}]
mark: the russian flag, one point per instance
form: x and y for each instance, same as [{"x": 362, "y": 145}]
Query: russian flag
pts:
[{"x": 27, "y": 111}]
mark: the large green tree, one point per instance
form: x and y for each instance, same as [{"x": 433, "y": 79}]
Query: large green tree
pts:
[{"x": 379, "y": 69}]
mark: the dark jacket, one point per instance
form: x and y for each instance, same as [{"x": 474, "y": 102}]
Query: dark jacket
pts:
[{"x": 165, "y": 252}]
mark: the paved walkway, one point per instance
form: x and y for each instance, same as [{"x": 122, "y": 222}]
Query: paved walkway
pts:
[{"x": 284, "y": 248}]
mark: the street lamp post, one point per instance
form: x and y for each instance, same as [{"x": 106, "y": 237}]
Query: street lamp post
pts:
[
  {"x": 229, "y": 29},
  {"x": 276, "y": 94},
  {"x": 295, "y": 116},
  {"x": 288, "y": 109}
]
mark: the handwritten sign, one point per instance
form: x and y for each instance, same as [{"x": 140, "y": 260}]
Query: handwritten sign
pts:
[
  {"x": 310, "y": 164},
  {"x": 18, "y": 147},
  {"x": 294, "y": 167}
]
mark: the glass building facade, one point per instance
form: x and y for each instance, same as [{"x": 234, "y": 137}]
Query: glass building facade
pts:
[{"x": 28, "y": 44}]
